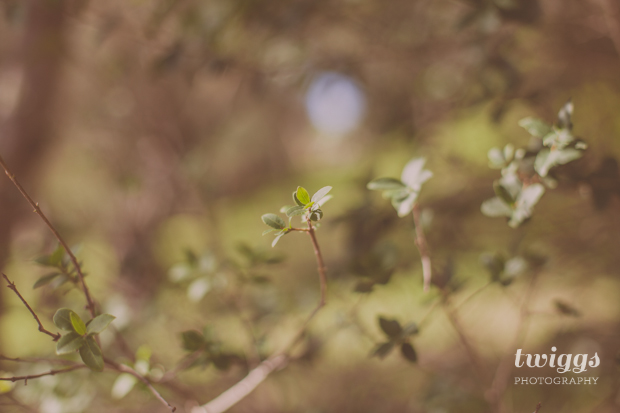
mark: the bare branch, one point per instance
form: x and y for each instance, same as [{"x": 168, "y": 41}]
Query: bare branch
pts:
[
  {"x": 240, "y": 390},
  {"x": 36, "y": 376},
  {"x": 538, "y": 406},
  {"x": 126, "y": 369},
  {"x": 89, "y": 301},
  {"x": 42, "y": 329}
]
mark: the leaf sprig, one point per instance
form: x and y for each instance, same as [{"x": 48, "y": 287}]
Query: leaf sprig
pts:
[
  {"x": 404, "y": 192},
  {"x": 525, "y": 171},
  {"x": 308, "y": 207},
  {"x": 80, "y": 336}
]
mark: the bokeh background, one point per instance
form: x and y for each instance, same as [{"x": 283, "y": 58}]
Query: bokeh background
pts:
[{"x": 155, "y": 134}]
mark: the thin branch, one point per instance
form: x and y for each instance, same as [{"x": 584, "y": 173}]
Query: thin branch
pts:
[
  {"x": 42, "y": 329},
  {"x": 255, "y": 377},
  {"x": 36, "y": 376},
  {"x": 37, "y": 360},
  {"x": 420, "y": 240},
  {"x": 89, "y": 301},
  {"x": 126, "y": 369},
  {"x": 538, "y": 406},
  {"x": 471, "y": 353}
]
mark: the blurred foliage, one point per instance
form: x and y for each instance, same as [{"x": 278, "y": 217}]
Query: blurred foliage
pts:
[{"x": 176, "y": 124}]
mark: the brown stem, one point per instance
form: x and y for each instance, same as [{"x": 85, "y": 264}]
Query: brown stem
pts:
[
  {"x": 420, "y": 241},
  {"x": 42, "y": 329},
  {"x": 36, "y": 376},
  {"x": 538, "y": 406},
  {"x": 471, "y": 353},
  {"x": 278, "y": 361},
  {"x": 89, "y": 301},
  {"x": 126, "y": 369}
]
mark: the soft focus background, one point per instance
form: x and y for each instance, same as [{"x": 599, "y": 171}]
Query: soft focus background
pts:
[{"x": 156, "y": 133}]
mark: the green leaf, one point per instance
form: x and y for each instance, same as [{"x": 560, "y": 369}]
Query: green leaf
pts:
[
  {"x": 277, "y": 238},
  {"x": 70, "y": 342},
  {"x": 192, "y": 340},
  {"x": 414, "y": 175},
  {"x": 408, "y": 352},
  {"x": 382, "y": 350},
  {"x": 296, "y": 210},
  {"x": 273, "y": 221},
  {"x": 99, "y": 323},
  {"x": 535, "y": 127},
  {"x": 297, "y": 201},
  {"x": 382, "y": 184},
  {"x": 77, "y": 323},
  {"x": 46, "y": 279},
  {"x": 565, "y": 116},
  {"x": 62, "y": 319},
  {"x": 57, "y": 256},
  {"x": 286, "y": 208},
  {"x": 323, "y": 200},
  {"x": 503, "y": 193},
  {"x": 316, "y": 215},
  {"x": 321, "y": 193},
  {"x": 404, "y": 207},
  {"x": 496, "y": 158},
  {"x": 91, "y": 354},
  {"x": 302, "y": 195},
  {"x": 495, "y": 207},
  {"x": 530, "y": 196},
  {"x": 267, "y": 231},
  {"x": 391, "y": 328}
]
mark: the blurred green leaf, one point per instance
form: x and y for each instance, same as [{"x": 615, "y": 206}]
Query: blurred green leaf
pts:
[
  {"x": 294, "y": 211},
  {"x": 535, "y": 127},
  {"x": 91, "y": 354},
  {"x": 382, "y": 350},
  {"x": 273, "y": 221},
  {"x": 496, "y": 207},
  {"x": 99, "y": 323},
  {"x": 316, "y": 215},
  {"x": 267, "y": 231},
  {"x": 410, "y": 329},
  {"x": 192, "y": 340},
  {"x": 70, "y": 342},
  {"x": 277, "y": 238},
  {"x": 503, "y": 193},
  {"x": 123, "y": 384},
  {"x": 566, "y": 309},
  {"x": 408, "y": 352},
  {"x": 565, "y": 116},
  {"x": 46, "y": 279},
  {"x": 414, "y": 175},
  {"x": 496, "y": 158},
  {"x": 62, "y": 319},
  {"x": 382, "y": 184},
  {"x": 391, "y": 328},
  {"x": 321, "y": 193}
]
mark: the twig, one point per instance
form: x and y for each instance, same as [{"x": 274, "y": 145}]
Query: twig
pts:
[
  {"x": 89, "y": 301},
  {"x": 471, "y": 353},
  {"x": 126, "y": 369},
  {"x": 36, "y": 376},
  {"x": 538, "y": 406},
  {"x": 502, "y": 373},
  {"x": 42, "y": 329},
  {"x": 420, "y": 240},
  {"x": 255, "y": 377},
  {"x": 37, "y": 360}
]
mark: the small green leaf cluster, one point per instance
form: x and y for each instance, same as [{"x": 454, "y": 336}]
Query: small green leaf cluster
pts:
[
  {"x": 200, "y": 273},
  {"x": 308, "y": 207},
  {"x": 80, "y": 336},
  {"x": 403, "y": 193},
  {"x": 506, "y": 270},
  {"x": 397, "y": 335},
  {"x": 63, "y": 270},
  {"x": 209, "y": 349},
  {"x": 525, "y": 171}
]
